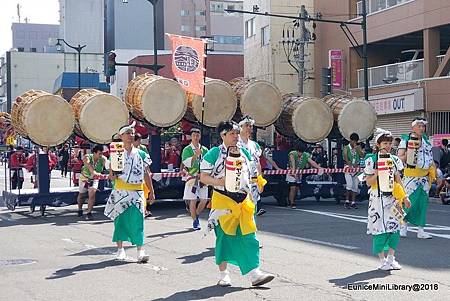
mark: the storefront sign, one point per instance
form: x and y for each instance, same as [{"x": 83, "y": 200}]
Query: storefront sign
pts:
[
  {"x": 437, "y": 139},
  {"x": 335, "y": 63},
  {"x": 401, "y": 102}
]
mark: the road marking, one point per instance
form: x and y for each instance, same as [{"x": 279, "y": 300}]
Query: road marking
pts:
[
  {"x": 361, "y": 219},
  {"x": 325, "y": 243}
]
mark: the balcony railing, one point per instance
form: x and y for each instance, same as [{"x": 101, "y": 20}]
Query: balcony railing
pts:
[
  {"x": 393, "y": 73},
  {"x": 440, "y": 58},
  {"x": 373, "y": 6}
]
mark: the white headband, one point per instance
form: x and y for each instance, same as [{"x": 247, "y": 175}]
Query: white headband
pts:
[
  {"x": 247, "y": 119},
  {"x": 424, "y": 121},
  {"x": 126, "y": 128},
  {"x": 380, "y": 132},
  {"x": 235, "y": 128}
]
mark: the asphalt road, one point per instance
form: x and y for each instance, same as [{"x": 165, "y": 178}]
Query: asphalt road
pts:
[{"x": 317, "y": 252}]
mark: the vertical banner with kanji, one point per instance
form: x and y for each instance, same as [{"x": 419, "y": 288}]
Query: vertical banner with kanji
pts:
[
  {"x": 335, "y": 63},
  {"x": 188, "y": 58}
]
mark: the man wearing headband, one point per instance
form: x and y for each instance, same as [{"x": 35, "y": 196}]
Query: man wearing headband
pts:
[
  {"x": 193, "y": 189},
  {"x": 382, "y": 222},
  {"x": 236, "y": 241},
  {"x": 352, "y": 154},
  {"x": 126, "y": 203},
  {"x": 418, "y": 177},
  {"x": 246, "y": 125}
]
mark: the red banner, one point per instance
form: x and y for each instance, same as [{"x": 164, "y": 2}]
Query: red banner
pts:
[
  {"x": 188, "y": 62},
  {"x": 335, "y": 63}
]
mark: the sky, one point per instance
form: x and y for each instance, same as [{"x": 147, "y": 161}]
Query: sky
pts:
[{"x": 37, "y": 11}]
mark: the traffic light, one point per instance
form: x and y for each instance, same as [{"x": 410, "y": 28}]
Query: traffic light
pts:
[
  {"x": 326, "y": 82},
  {"x": 111, "y": 63}
]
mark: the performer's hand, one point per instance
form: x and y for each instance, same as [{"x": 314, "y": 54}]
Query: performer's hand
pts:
[
  {"x": 112, "y": 177},
  {"x": 407, "y": 203},
  {"x": 151, "y": 198},
  {"x": 220, "y": 182},
  {"x": 198, "y": 152}
]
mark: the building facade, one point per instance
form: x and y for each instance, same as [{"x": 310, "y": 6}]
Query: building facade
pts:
[
  {"x": 28, "y": 37},
  {"x": 408, "y": 54}
]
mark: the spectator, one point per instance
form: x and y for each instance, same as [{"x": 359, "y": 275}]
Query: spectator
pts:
[
  {"x": 444, "y": 157},
  {"x": 395, "y": 145},
  {"x": 173, "y": 154},
  {"x": 266, "y": 159},
  {"x": 352, "y": 154},
  {"x": 320, "y": 156},
  {"x": 63, "y": 157}
]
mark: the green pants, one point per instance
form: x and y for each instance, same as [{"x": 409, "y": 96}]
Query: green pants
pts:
[
  {"x": 417, "y": 214},
  {"x": 240, "y": 250},
  {"x": 382, "y": 242},
  {"x": 129, "y": 226}
]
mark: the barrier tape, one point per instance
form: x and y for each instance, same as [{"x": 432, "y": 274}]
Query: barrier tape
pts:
[{"x": 266, "y": 172}]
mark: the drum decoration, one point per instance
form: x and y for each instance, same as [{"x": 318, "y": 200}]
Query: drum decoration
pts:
[
  {"x": 116, "y": 151},
  {"x": 44, "y": 118},
  {"x": 308, "y": 118},
  {"x": 98, "y": 115},
  {"x": 220, "y": 103},
  {"x": 159, "y": 101},
  {"x": 234, "y": 170},
  {"x": 258, "y": 99},
  {"x": 352, "y": 115}
]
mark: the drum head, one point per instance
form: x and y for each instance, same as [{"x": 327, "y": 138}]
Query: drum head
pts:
[
  {"x": 262, "y": 101},
  {"x": 220, "y": 103},
  {"x": 101, "y": 117},
  {"x": 312, "y": 120},
  {"x": 359, "y": 117},
  {"x": 163, "y": 102},
  {"x": 49, "y": 120}
]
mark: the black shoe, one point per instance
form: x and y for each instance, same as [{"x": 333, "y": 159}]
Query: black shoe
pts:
[
  {"x": 353, "y": 205},
  {"x": 80, "y": 213},
  {"x": 89, "y": 216},
  {"x": 347, "y": 205},
  {"x": 261, "y": 212}
]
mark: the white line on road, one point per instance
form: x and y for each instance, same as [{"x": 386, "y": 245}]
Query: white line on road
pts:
[{"x": 325, "y": 243}]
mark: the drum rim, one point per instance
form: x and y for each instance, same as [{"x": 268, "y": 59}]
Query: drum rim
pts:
[
  {"x": 252, "y": 83},
  {"x": 166, "y": 124},
  {"x": 329, "y": 125},
  {"x": 84, "y": 108},
  {"x": 350, "y": 103},
  {"x": 67, "y": 136}
]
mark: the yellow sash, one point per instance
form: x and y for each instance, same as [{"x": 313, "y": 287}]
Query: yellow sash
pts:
[
  {"x": 415, "y": 172},
  {"x": 119, "y": 184},
  {"x": 241, "y": 214},
  {"x": 399, "y": 193}
]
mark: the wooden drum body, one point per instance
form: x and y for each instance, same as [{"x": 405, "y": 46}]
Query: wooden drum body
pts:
[
  {"x": 258, "y": 99},
  {"x": 308, "y": 118},
  {"x": 353, "y": 115},
  {"x": 44, "y": 118},
  {"x": 220, "y": 103},
  {"x": 158, "y": 100},
  {"x": 98, "y": 115}
]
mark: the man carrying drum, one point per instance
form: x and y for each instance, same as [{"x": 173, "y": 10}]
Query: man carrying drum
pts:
[
  {"x": 193, "y": 189},
  {"x": 415, "y": 151},
  {"x": 93, "y": 165}
]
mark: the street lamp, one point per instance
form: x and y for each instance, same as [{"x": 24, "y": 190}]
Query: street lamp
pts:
[{"x": 77, "y": 49}]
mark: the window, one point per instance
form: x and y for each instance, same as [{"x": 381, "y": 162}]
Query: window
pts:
[
  {"x": 21, "y": 49},
  {"x": 200, "y": 13},
  {"x": 185, "y": 28},
  {"x": 200, "y": 28},
  {"x": 265, "y": 35},
  {"x": 230, "y": 6},
  {"x": 216, "y": 7},
  {"x": 33, "y": 49},
  {"x": 250, "y": 28},
  {"x": 184, "y": 13},
  {"x": 232, "y": 40}
]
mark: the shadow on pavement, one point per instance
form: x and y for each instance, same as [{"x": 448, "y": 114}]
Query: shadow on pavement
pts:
[
  {"x": 206, "y": 293},
  {"x": 167, "y": 234},
  {"x": 86, "y": 267},
  {"x": 188, "y": 259},
  {"x": 360, "y": 278}
]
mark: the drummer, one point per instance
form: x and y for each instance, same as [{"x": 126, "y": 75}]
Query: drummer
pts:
[{"x": 352, "y": 155}]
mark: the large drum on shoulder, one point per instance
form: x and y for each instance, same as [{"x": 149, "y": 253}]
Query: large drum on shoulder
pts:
[
  {"x": 258, "y": 99},
  {"x": 98, "y": 115},
  {"x": 44, "y": 118},
  {"x": 353, "y": 115},
  {"x": 308, "y": 118},
  {"x": 158, "y": 100},
  {"x": 220, "y": 103}
]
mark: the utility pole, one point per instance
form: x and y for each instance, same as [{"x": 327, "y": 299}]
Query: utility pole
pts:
[
  {"x": 301, "y": 50},
  {"x": 365, "y": 59}
]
